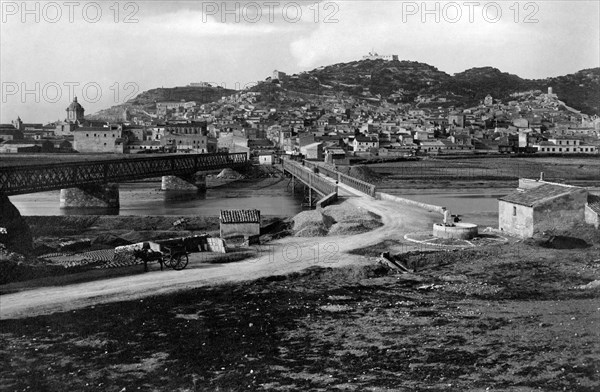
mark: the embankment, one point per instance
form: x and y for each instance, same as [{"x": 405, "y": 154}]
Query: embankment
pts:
[{"x": 400, "y": 200}]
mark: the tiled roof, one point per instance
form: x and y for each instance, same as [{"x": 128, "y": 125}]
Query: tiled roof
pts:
[
  {"x": 240, "y": 216},
  {"x": 594, "y": 203},
  {"x": 533, "y": 196}
]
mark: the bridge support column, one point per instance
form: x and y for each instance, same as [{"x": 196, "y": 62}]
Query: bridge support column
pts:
[
  {"x": 184, "y": 188},
  {"x": 194, "y": 182},
  {"x": 102, "y": 196}
]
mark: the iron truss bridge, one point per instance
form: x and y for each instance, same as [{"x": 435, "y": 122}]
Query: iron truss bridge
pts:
[{"x": 17, "y": 180}]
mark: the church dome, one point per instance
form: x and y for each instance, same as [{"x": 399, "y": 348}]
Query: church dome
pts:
[{"x": 75, "y": 106}]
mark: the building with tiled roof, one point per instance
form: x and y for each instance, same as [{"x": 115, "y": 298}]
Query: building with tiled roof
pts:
[
  {"x": 239, "y": 223},
  {"x": 543, "y": 207},
  {"x": 240, "y": 216}
]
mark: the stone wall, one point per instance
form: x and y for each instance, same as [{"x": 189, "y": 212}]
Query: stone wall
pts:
[
  {"x": 463, "y": 231},
  {"x": 428, "y": 207},
  {"x": 515, "y": 219},
  {"x": 230, "y": 230},
  {"x": 98, "y": 140}
]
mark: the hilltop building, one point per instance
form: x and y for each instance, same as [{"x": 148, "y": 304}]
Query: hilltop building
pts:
[
  {"x": 200, "y": 84},
  {"x": 278, "y": 75},
  {"x": 386, "y": 57}
]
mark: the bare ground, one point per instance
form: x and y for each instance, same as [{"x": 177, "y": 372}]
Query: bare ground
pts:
[{"x": 515, "y": 318}]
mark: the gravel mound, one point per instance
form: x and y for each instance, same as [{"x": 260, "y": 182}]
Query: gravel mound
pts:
[
  {"x": 312, "y": 231},
  {"x": 348, "y": 228},
  {"x": 345, "y": 213},
  {"x": 343, "y": 219},
  {"x": 307, "y": 219},
  {"x": 230, "y": 174}
]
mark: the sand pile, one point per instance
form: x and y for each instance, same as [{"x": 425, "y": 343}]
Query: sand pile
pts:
[
  {"x": 348, "y": 228},
  {"x": 349, "y": 220},
  {"x": 309, "y": 224},
  {"x": 343, "y": 219},
  {"x": 230, "y": 174}
]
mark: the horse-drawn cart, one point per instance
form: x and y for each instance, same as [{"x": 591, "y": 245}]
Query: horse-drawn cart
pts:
[{"x": 175, "y": 257}]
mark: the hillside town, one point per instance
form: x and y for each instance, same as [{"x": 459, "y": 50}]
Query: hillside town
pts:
[{"x": 269, "y": 121}]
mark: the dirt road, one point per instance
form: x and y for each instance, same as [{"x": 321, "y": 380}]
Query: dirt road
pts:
[{"x": 280, "y": 257}]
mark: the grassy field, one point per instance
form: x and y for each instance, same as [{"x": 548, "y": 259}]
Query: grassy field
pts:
[
  {"x": 568, "y": 170},
  {"x": 514, "y": 318}
]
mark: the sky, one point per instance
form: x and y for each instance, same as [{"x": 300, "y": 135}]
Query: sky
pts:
[{"x": 106, "y": 52}]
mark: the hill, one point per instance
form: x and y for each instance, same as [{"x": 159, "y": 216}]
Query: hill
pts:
[
  {"x": 144, "y": 104},
  {"x": 379, "y": 80},
  {"x": 404, "y": 81}
]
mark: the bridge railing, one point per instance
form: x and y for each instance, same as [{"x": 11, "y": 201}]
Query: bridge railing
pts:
[
  {"x": 39, "y": 178},
  {"x": 305, "y": 174},
  {"x": 355, "y": 183}
]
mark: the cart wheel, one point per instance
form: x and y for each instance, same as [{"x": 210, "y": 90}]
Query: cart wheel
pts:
[
  {"x": 179, "y": 262},
  {"x": 168, "y": 262}
]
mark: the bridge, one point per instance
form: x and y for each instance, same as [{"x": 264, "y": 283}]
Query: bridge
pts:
[
  {"x": 324, "y": 181},
  {"x": 97, "y": 179}
]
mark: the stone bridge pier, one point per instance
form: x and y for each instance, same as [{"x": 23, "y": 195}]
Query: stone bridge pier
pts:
[
  {"x": 193, "y": 182},
  {"x": 100, "y": 196}
]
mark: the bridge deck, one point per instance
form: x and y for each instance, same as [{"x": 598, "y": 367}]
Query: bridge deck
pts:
[
  {"x": 15, "y": 180},
  {"x": 326, "y": 181}
]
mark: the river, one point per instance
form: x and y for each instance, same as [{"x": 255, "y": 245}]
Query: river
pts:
[{"x": 270, "y": 196}]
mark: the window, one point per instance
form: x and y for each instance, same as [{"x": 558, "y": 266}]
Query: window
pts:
[
  {"x": 514, "y": 211},
  {"x": 87, "y": 135}
]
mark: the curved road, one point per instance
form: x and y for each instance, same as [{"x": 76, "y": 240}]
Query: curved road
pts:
[{"x": 282, "y": 257}]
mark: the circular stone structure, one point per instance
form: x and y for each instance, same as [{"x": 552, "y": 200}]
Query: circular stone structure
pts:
[{"x": 463, "y": 231}]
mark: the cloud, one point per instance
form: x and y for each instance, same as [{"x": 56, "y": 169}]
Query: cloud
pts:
[{"x": 478, "y": 37}]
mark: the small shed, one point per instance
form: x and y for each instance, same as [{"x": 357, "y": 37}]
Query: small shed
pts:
[
  {"x": 545, "y": 207},
  {"x": 239, "y": 223},
  {"x": 266, "y": 159}
]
